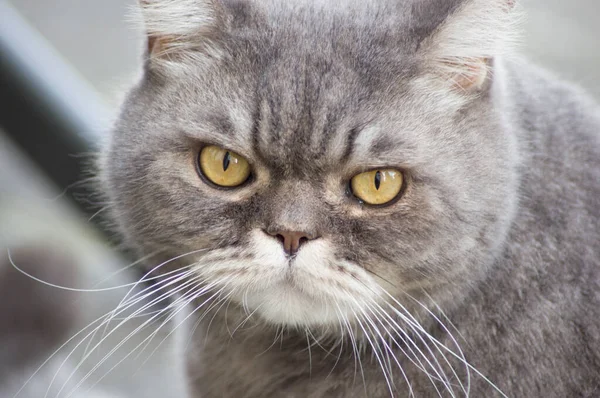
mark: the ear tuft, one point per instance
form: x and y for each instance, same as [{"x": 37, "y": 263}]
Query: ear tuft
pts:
[
  {"x": 462, "y": 48},
  {"x": 469, "y": 75},
  {"x": 176, "y": 26}
]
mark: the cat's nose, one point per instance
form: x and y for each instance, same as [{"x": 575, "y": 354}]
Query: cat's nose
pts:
[{"x": 292, "y": 240}]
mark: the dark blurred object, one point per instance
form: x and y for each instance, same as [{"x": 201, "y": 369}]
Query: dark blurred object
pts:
[
  {"x": 34, "y": 318},
  {"x": 51, "y": 114}
]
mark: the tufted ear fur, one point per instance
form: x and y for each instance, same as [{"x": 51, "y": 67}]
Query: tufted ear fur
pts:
[
  {"x": 176, "y": 29},
  {"x": 462, "y": 48}
]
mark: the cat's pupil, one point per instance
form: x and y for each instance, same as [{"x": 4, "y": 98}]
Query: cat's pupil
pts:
[
  {"x": 226, "y": 161},
  {"x": 377, "y": 180}
]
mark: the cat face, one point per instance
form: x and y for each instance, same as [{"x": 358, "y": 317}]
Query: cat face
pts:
[{"x": 303, "y": 99}]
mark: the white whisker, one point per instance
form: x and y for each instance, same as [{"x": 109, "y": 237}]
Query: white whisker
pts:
[
  {"x": 70, "y": 289},
  {"x": 457, "y": 356},
  {"x": 389, "y": 350},
  {"x": 153, "y": 302},
  {"x": 355, "y": 349},
  {"x": 124, "y": 305},
  {"x": 421, "y": 334},
  {"x": 341, "y": 344},
  {"x": 185, "y": 301},
  {"x": 409, "y": 344},
  {"x": 309, "y": 354},
  {"x": 134, "y": 332},
  {"x": 241, "y": 324},
  {"x": 143, "y": 278},
  {"x": 374, "y": 350},
  {"x": 416, "y": 327}
]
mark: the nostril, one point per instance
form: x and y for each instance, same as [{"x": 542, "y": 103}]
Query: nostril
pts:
[
  {"x": 281, "y": 238},
  {"x": 302, "y": 240}
]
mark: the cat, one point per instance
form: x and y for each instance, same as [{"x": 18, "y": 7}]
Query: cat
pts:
[{"x": 363, "y": 198}]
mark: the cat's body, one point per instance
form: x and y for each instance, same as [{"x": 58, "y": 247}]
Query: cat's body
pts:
[{"x": 491, "y": 245}]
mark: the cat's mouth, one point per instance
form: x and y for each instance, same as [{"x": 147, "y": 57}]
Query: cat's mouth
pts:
[
  {"x": 307, "y": 295},
  {"x": 290, "y": 276},
  {"x": 313, "y": 287}
]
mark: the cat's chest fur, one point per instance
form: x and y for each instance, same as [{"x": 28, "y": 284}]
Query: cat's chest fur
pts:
[
  {"x": 268, "y": 365},
  {"x": 519, "y": 357}
]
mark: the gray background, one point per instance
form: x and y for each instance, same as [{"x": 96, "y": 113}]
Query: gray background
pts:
[{"x": 98, "y": 39}]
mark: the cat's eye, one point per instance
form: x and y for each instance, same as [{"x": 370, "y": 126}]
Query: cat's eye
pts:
[
  {"x": 377, "y": 187},
  {"x": 223, "y": 167}
]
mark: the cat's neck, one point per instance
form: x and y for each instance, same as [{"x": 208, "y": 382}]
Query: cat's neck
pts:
[
  {"x": 265, "y": 358},
  {"x": 361, "y": 335}
]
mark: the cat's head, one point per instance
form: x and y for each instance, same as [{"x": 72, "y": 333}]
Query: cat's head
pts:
[{"x": 306, "y": 156}]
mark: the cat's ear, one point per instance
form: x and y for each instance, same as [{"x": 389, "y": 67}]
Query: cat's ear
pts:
[
  {"x": 462, "y": 49},
  {"x": 177, "y": 28}
]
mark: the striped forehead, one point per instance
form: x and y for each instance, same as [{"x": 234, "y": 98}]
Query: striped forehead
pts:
[
  {"x": 306, "y": 141},
  {"x": 305, "y": 118}
]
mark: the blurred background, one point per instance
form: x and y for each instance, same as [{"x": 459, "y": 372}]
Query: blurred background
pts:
[{"x": 64, "y": 66}]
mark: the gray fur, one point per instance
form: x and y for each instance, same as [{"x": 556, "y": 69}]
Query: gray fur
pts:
[{"x": 493, "y": 246}]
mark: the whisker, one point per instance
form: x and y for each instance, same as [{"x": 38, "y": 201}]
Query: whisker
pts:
[
  {"x": 461, "y": 358},
  {"x": 125, "y": 268},
  {"x": 390, "y": 351},
  {"x": 92, "y": 333},
  {"x": 444, "y": 315},
  {"x": 55, "y": 353},
  {"x": 279, "y": 330},
  {"x": 193, "y": 312},
  {"x": 468, "y": 389},
  {"x": 193, "y": 295},
  {"x": 357, "y": 359},
  {"x": 341, "y": 344},
  {"x": 170, "y": 280},
  {"x": 213, "y": 318},
  {"x": 374, "y": 350},
  {"x": 143, "y": 278},
  {"x": 112, "y": 351},
  {"x": 406, "y": 339},
  {"x": 70, "y": 289},
  {"x": 461, "y": 354},
  {"x": 241, "y": 324},
  {"x": 309, "y": 355},
  {"x": 420, "y": 333},
  {"x": 153, "y": 302},
  {"x": 139, "y": 297},
  {"x": 416, "y": 327}
]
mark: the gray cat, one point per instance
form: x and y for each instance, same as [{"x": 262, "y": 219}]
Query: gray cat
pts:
[{"x": 364, "y": 198}]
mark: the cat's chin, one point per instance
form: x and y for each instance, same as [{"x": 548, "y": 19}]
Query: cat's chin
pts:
[
  {"x": 299, "y": 298},
  {"x": 286, "y": 305}
]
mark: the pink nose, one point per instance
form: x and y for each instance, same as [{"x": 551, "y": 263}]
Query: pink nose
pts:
[{"x": 291, "y": 240}]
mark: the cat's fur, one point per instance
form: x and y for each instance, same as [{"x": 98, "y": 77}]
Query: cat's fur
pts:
[{"x": 493, "y": 247}]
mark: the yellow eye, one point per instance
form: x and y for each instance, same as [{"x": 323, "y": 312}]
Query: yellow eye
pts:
[
  {"x": 377, "y": 187},
  {"x": 222, "y": 167}
]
